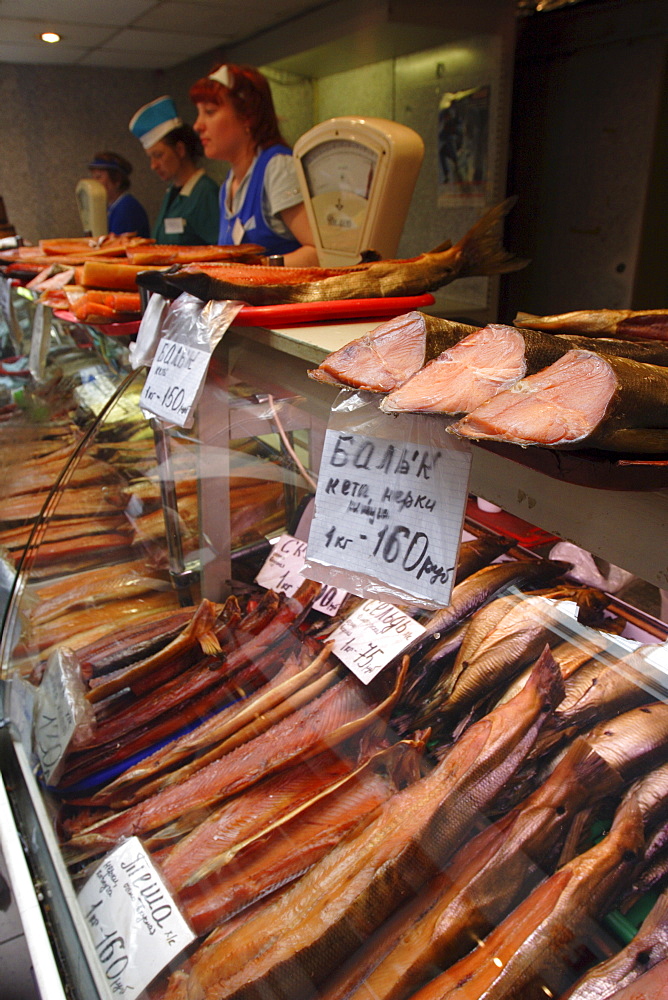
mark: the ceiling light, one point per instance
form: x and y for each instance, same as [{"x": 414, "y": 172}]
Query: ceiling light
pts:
[{"x": 50, "y": 36}]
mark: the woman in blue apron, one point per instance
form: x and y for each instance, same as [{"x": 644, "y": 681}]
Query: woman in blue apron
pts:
[
  {"x": 189, "y": 212},
  {"x": 261, "y": 201}
]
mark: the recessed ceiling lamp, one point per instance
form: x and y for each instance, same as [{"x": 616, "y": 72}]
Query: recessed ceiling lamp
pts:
[{"x": 50, "y": 36}]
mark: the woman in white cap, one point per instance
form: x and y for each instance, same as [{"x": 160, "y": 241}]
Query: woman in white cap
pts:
[
  {"x": 189, "y": 212},
  {"x": 124, "y": 213},
  {"x": 261, "y": 201}
]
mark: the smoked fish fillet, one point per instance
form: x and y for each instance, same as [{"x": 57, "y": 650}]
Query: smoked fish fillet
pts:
[{"x": 582, "y": 400}]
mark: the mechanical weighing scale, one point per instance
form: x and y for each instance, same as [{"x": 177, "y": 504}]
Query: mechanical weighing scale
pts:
[
  {"x": 357, "y": 176},
  {"x": 92, "y": 205}
]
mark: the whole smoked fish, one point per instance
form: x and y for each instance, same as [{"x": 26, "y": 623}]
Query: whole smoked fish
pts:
[
  {"x": 647, "y": 324},
  {"x": 532, "y": 949},
  {"x": 485, "y": 879},
  {"x": 480, "y": 251},
  {"x": 648, "y": 948},
  {"x": 297, "y": 942},
  {"x": 582, "y": 400}
]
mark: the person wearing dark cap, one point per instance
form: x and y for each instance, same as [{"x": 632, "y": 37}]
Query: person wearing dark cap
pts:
[
  {"x": 261, "y": 201},
  {"x": 124, "y": 213},
  {"x": 189, "y": 212}
]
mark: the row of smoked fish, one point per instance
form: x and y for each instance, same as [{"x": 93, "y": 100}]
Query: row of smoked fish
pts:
[
  {"x": 596, "y": 379},
  {"x": 457, "y": 829},
  {"x": 95, "y": 279}
]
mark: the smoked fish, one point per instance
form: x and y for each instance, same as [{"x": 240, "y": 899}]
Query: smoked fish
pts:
[
  {"x": 331, "y": 718},
  {"x": 582, "y": 400},
  {"x": 293, "y": 945},
  {"x": 647, "y": 324},
  {"x": 494, "y": 359},
  {"x": 648, "y": 948},
  {"x": 480, "y": 251},
  {"x": 389, "y": 354},
  {"x": 278, "y": 854},
  {"x": 482, "y": 883},
  {"x": 532, "y": 949}
]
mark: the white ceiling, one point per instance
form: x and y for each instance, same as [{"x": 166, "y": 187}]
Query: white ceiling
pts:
[{"x": 136, "y": 34}]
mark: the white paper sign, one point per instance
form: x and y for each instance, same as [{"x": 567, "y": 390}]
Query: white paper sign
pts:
[
  {"x": 372, "y": 636},
  {"x": 391, "y": 510},
  {"x": 134, "y": 923},
  {"x": 173, "y": 383},
  {"x": 283, "y": 572},
  {"x": 21, "y": 705},
  {"x": 54, "y": 720}
]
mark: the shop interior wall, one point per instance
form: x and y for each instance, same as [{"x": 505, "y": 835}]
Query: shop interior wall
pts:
[
  {"x": 53, "y": 119},
  {"x": 589, "y": 160}
]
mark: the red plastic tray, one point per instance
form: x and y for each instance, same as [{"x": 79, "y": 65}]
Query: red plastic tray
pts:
[
  {"x": 128, "y": 329},
  {"x": 326, "y": 312}
]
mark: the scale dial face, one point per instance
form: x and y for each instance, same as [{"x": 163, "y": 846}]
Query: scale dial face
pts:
[{"x": 339, "y": 174}]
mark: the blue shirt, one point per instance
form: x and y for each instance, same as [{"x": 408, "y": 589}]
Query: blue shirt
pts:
[{"x": 127, "y": 215}]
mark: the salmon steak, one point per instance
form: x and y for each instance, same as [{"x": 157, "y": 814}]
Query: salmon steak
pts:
[
  {"x": 480, "y": 366},
  {"x": 385, "y": 358},
  {"x": 582, "y": 400}
]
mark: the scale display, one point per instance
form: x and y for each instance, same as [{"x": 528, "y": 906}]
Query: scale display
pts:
[
  {"x": 357, "y": 176},
  {"x": 339, "y": 175}
]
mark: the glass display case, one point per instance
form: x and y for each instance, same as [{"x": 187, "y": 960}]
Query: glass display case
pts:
[
  {"x": 55, "y": 378},
  {"x": 187, "y": 743}
]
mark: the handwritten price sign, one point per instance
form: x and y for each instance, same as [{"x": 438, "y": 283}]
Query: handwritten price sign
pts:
[
  {"x": 135, "y": 926},
  {"x": 174, "y": 381},
  {"x": 371, "y": 636},
  {"x": 283, "y": 572},
  {"x": 391, "y": 511}
]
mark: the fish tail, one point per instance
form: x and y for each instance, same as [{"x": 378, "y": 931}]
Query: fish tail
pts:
[
  {"x": 546, "y": 675},
  {"x": 481, "y": 250}
]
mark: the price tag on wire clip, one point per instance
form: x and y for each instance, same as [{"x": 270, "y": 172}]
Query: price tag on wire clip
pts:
[
  {"x": 135, "y": 926},
  {"x": 283, "y": 572},
  {"x": 173, "y": 384},
  {"x": 372, "y": 636}
]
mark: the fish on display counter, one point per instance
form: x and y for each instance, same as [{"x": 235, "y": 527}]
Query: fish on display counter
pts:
[
  {"x": 347, "y": 894},
  {"x": 582, "y": 400},
  {"x": 646, "y": 324},
  {"x": 429, "y": 364},
  {"x": 533, "y": 949},
  {"x": 482, "y": 883},
  {"x": 479, "y": 252},
  {"x": 495, "y": 358}
]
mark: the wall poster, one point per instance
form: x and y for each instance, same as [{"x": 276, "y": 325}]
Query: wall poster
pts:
[{"x": 463, "y": 140}]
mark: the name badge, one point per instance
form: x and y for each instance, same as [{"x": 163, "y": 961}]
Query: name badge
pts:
[{"x": 175, "y": 226}]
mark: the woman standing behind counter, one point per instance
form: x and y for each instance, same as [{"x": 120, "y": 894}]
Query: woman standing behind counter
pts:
[
  {"x": 261, "y": 201},
  {"x": 189, "y": 213}
]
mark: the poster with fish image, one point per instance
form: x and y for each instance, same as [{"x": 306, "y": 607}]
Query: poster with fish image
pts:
[
  {"x": 463, "y": 139},
  {"x": 389, "y": 506}
]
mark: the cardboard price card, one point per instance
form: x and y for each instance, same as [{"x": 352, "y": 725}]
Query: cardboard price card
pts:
[
  {"x": 283, "y": 572},
  {"x": 135, "y": 926},
  {"x": 372, "y": 636},
  {"x": 390, "y": 511}
]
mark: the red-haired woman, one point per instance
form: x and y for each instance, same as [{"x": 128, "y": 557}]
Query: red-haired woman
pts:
[{"x": 260, "y": 202}]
